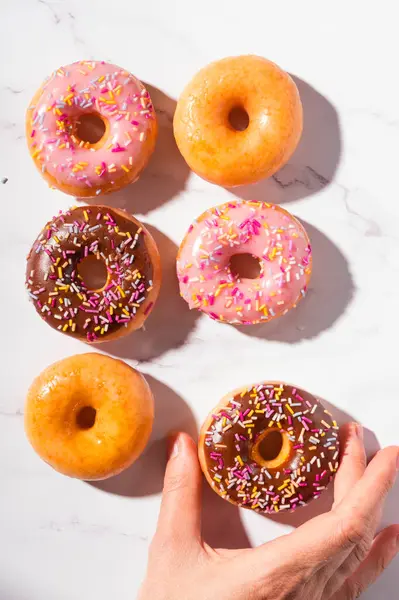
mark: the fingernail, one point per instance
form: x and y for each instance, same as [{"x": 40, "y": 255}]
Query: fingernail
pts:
[
  {"x": 359, "y": 431},
  {"x": 173, "y": 445}
]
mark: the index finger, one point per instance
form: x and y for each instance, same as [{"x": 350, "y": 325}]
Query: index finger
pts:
[{"x": 353, "y": 460}]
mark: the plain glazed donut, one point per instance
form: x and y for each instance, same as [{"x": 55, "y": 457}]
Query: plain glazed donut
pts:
[
  {"x": 94, "y": 236},
  {"x": 212, "y": 146},
  {"x": 269, "y": 233},
  {"x": 89, "y": 416},
  {"x": 80, "y": 101},
  {"x": 269, "y": 447}
]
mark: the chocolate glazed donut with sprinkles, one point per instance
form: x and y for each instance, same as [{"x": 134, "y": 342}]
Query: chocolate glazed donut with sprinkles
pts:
[
  {"x": 269, "y": 447},
  {"x": 94, "y": 273},
  {"x": 91, "y": 128}
]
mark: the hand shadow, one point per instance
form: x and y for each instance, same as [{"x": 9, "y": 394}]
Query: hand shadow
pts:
[
  {"x": 161, "y": 331},
  {"x": 166, "y": 173},
  {"x": 313, "y": 165},
  {"x": 330, "y": 291},
  {"x": 389, "y": 581},
  {"x": 145, "y": 476},
  {"x": 390, "y": 578},
  {"x": 221, "y": 522},
  {"x": 324, "y": 503}
]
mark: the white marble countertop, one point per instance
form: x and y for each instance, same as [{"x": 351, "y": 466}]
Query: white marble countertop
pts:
[{"x": 62, "y": 539}]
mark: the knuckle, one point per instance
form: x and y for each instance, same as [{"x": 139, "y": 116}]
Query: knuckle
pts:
[
  {"x": 356, "y": 591},
  {"x": 361, "y": 550},
  {"x": 351, "y": 591},
  {"x": 388, "y": 484},
  {"x": 353, "y": 530},
  {"x": 382, "y": 563},
  {"x": 360, "y": 459},
  {"x": 176, "y": 482}
]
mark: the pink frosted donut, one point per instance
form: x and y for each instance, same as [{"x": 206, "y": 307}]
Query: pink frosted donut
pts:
[
  {"x": 267, "y": 232},
  {"x": 91, "y": 128}
]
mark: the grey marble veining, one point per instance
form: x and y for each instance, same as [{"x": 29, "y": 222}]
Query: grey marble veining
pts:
[{"x": 62, "y": 539}]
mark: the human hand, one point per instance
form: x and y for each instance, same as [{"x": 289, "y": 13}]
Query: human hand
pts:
[{"x": 334, "y": 556}]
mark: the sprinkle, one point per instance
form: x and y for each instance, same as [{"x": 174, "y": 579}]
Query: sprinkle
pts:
[
  {"x": 69, "y": 93},
  {"x": 207, "y": 281},
  {"x": 240, "y": 425},
  {"x": 58, "y": 289}
]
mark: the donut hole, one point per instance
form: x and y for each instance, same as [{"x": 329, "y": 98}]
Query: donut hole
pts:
[
  {"x": 272, "y": 449},
  {"x": 86, "y": 417},
  {"x": 90, "y": 128},
  {"x": 238, "y": 118},
  {"x": 270, "y": 446},
  {"x": 93, "y": 272},
  {"x": 245, "y": 266}
]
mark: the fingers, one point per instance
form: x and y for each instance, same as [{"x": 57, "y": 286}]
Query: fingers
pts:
[
  {"x": 353, "y": 460},
  {"x": 180, "y": 515},
  {"x": 363, "y": 504},
  {"x": 332, "y": 536},
  {"x": 383, "y": 551}
]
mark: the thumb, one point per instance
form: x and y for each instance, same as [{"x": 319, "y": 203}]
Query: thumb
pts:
[{"x": 180, "y": 515}]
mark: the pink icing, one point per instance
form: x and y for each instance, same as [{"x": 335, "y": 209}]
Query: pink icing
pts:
[
  {"x": 90, "y": 87},
  {"x": 263, "y": 230}
]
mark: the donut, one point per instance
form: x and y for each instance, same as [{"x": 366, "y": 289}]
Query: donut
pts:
[
  {"x": 267, "y": 232},
  {"x": 89, "y": 416},
  {"x": 91, "y": 128},
  {"x": 269, "y": 447},
  {"x": 269, "y": 125},
  {"x": 94, "y": 273}
]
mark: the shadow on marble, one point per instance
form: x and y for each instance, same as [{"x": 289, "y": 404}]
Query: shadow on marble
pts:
[
  {"x": 221, "y": 522},
  {"x": 390, "y": 578},
  {"x": 324, "y": 503},
  {"x": 170, "y": 322},
  {"x": 145, "y": 476},
  {"x": 313, "y": 165},
  {"x": 166, "y": 173},
  {"x": 330, "y": 291}
]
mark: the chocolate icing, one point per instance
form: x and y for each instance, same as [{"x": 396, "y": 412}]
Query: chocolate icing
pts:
[
  {"x": 58, "y": 291},
  {"x": 234, "y": 429}
]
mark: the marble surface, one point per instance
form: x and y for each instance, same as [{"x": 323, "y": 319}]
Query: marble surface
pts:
[{"x": 63, "y": 539}]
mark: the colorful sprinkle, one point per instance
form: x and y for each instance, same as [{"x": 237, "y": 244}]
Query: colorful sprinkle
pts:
[
  {"x": 265, "y": 231},
  {"x": 115, "y": 96},
  {"x": 57, "y": 289},
  {"x": 311, "y": 456}
]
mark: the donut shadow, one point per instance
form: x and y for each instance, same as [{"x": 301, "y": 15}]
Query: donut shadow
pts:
[
  {"x": 324, "y": 503},
  {"x": 145, "y": 476},
  {"x": 166, "y": 173},
  {"x": 314, "y": 163},
  {"x": 161, "y": 332},
  {"x": 330, "y": 291}
]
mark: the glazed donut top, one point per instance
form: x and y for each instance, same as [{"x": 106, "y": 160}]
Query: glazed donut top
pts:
[
  {"x": 212, "y": 146},
  {"x": 89, "y": 87},
  {"x": 310, "y": 447},
  {"x": 266, "y": 231},
  {"x": 57, "y": 289}
]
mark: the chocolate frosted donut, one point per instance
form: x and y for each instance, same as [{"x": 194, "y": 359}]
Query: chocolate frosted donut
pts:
[
  {"x": 94, "y": 273},
  {"x": 269, "y": 447}
]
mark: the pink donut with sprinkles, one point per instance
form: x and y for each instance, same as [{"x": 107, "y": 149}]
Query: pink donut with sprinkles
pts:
[
  {"x": 91, "y": 128},
  {"x": 267, "y": 233}
]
